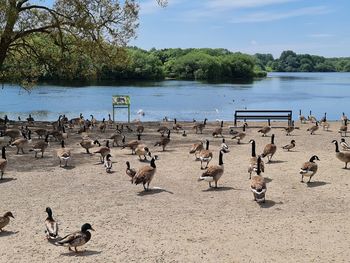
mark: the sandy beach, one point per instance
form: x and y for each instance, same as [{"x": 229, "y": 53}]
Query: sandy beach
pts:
[{"x": 181, "y": 219}]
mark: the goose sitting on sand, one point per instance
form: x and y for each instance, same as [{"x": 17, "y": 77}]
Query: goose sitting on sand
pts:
[{"x": 76, "y": 239}]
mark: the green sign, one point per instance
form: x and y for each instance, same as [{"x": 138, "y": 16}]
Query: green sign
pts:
[{"x": 121, "y": 100}]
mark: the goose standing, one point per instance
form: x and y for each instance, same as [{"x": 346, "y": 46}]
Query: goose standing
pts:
[
  {"x": 103, "y": 125},
  {"x": 270, "y": 149},
  {"x": 313, "y": 128},
  {"x": 240, "y": 136},
  {"x": 162, "y": 130},
  {"x": 196, "y": 149},
  {"x": 22, "y": 142},
  {"x": 132, "y": 144},
  {"x": 309, "y": 168},
  {"x": 103, "y": 151},
  {"x": 87, "y": 144},
  {"x": 177, "y": 127},
  {"x": 344, "y": 128},
  {"x": 345, "y": 146},
  {"x": 302, "y": 117},
  {"x": 342, "y": 156},
  {"x": 40, "y": 146},
  {"x": 140, "y": 129},
  {"x": 265, "y": 130},
  {"x": 5, "y": 220},
  {"x": 258, "y": 184},
  {"x": 214, "y": 172},
  {"x": 110, "y": 121},
  {"x": 311, "y": 118},
  {"x": 63, "y": 154},
  {"x": 205, "y": 155},
  {"x": 289, "y": 146},
  {"x": 200, "y": 126},
  {"x": 3, "y": 162},
  {"x": 324, "y": 123},
  {"x": 116, "y": 138},
  {"x": 145, "y": 174},
  {"x": 218, "y": 131},
  {"x": 76, "y": 239},
  {"x": 289, "y": 129},
  {"x": 344, "y": 117},
  {"x": 253, "y": 162},
  {"x": 131, "y": 172},
  {"x": 163, "y": 142},
  {"x": 50, "y": 225}
]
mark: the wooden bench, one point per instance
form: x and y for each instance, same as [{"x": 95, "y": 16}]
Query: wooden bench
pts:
[{"x": 263, "y": 115}]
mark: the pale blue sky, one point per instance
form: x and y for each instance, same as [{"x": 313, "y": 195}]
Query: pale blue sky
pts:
[{"x": 320, "y": 27}]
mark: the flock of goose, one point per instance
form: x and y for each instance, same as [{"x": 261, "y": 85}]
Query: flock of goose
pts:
[{"x": 18, "y": 134}]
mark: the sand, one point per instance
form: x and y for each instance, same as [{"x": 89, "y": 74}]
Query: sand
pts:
[{"x": 180, "y": 219}]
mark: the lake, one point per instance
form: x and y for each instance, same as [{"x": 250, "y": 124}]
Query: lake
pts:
[{"x": 185, "y": 100}]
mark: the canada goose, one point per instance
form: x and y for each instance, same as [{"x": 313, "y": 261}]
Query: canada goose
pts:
[
  {"x": 289, "y": 129},
  {"x": 130, "y": 171},
  {"x": 270, "y": 149},
  {"x": 22, "y": 142},
  {"x": 241, "y": 135},
  {"x": 214, "y": 172},
  {"x": 163, "y": 142},
  {"x": 205, "y": 155},
  {"x": 218, "y": 131},
  {"x": 3, "y": 162},
  {"x": 76, "y": 239},
  {"x": 132, "y": 144},
  {"x": 324, "y": 118},
  {"x": 342, "y": 156},
  {"x": 103, "y": 151},
  {"x": 253, "y": 162},
  {"x": 344, "y": 128},
  {"x": 116, "y": 138},
  {"x": 110, "y": 121},
  {"x": 88, "y": 144},
  {"x": 59, "y": 135},
  {"x": 128, "y": 128},
  {"x": 200, "y": 126},
  {"x": 345, "y": 146},
  {"x": 145, "y": 174},
  {"x": 311, "y": 118},
  {"x": 103, "y": 125},
  {"x": 41, "y": 132},
  {"x": 313, "y": 128},
  {"x": 12, "y": 133},
  {"x": 77, "y": 121},
  {"x": 258, "y": 184},
  {"x": 162, "y": 130},
  {"x": 140, "y": 128},
  {"x": 265, "y": 130},
  {"x": 108, "y": 163},
  {"x": 289, "y": 146},
  {"x": 93, "y": 121},
  {"x": 5, "y": 120},
  {"x": 309, "y": 168},
  {"x": 30, "y": 119},
  {"x": 176, "y": 126},
  {"x": 302, "y": 117},
  {"x": 224, "y": 146},
  {"x": 40, "y": 146},
  {"x": 142, "y": 150},
  {"x": 344, "y": 117},
  {"x": 196, "y": 149},
  {"x": 184, "y": 134},
  {"x": 56, "y": 124},
  {"x": 325, "y": 125},
  {"x": 82, "y": 130},
  {"x": 5, "y": 220},
  {"x": 63, "y": 154},
  {"x": 50, "y": 225}
]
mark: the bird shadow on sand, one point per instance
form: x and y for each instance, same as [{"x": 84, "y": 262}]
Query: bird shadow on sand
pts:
[
  {"x": 268, "y": 180},
  {"x": 316, "y": 184},
  {"x": 276, "y": 161},
  {"x": 7, "y": 233},
  {"x": 154, "y": 190},
  {"x": 7, "y": 179},
  {"x": 69, "y": 167},
  {"x": 219, "y": 189},
  {"x": 84, "y": 253},
  {"x": 269, "y": 204}
]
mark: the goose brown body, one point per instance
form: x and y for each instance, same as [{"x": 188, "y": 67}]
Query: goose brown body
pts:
[
  {"x": 240, "y": 135},
  {"x": 199, "y": 127},
  {"x": 270, "y": 149},
  {"x": 265, "y": 130},
  {"x": 309, "y": 168},
  {"x": 145, "y": 175},
  {"x": 313, "y": 128},
  {"x": 41, "y": 146},
  {"x": 5, "y": 220},
  {"x": 196, "y": 149},
  {"x": 342, "y": 156},
  {"x": 253, "y": 162},
  {"x": 205, "y": 155},
  {"x": 258, "y": 184},
  {"x": 103, "y": 151},
  {"x": 63, "y": 154},
  {"x": 131, "y": 172},
  {"x": 164, "y": 141},
  {"x": 3, "y": 162},
  {"x": 214, "y": 172},
  {"x": 132, "y": 145},
  {"x": 21, "y": 142},
  {"x": 289, "y": 146}
]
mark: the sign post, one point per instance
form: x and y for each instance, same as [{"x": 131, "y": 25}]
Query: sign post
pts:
[{"x": 121, "y": 102}]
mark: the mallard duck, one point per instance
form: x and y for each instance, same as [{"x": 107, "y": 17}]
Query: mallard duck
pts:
[
  {"x": 3, "y": 162},
  {"x": 309, "y": 168},
  {"x": 63, "y": 154},
  {"x": 342, "y": 156},
  {"x": 40, "y": 146},
  {"x": 289, "y": 129},
  {"x": 22, "y": 142},
  {"x": 51, "y": 225},
  {"x": 5, "y": 220},
  {"x": 76, "y": 239},
  {"x": 289, "y": 146},
  {"x": 145, "y": 174},
  {"x": 130, "y": 171},
  {"x": 270, "y": 149},
  {"x": 163, "y": 142},
  {"x": 258, "y": 184},
  {"x": 253, "y": 162},
  {"x": 214, "y": 172},
  {"x": 108, "y": 163},
  {"x": 218, "y": 131},
  {"x": 345, "y": 146},
  {"x": 205, "y": 156}
]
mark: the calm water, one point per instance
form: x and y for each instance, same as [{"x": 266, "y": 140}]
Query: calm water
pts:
[{"x": 319, "y": 92}]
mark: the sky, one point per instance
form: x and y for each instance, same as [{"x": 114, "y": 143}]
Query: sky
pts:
[{"x": 319, "y": 27}]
